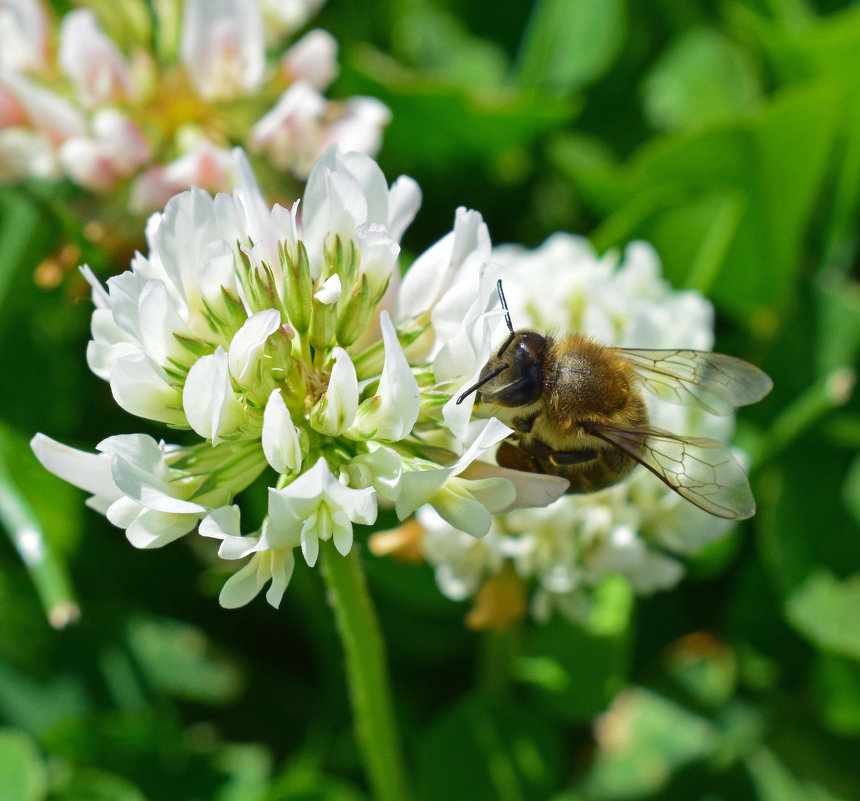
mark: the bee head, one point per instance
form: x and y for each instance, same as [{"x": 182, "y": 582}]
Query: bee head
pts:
[{"x": 514, "y": 376}]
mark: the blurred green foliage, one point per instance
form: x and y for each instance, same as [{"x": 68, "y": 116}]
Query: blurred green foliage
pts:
[{"x": 727, "y": 133}]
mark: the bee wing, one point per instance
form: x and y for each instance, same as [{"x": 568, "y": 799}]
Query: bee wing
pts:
[
  {"x": 703, "y": 471},
  {"x": 713, "y": 381}
]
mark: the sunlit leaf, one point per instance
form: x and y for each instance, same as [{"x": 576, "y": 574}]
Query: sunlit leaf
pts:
[
  {"x": 23, "y": 775},
  {"x": 569, "y": 43},
  {"x": 702, "y": 78},
  {"x": 824, "y": 609}
]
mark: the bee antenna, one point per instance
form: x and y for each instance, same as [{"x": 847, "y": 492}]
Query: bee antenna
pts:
[
  {"x": 507, "y": 320},
  {"x": 481, "y": 382},
  {"x": 504, "y": 305}
]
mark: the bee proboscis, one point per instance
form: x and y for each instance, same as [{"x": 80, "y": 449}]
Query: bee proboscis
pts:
[{"x": 577, "y": 411}]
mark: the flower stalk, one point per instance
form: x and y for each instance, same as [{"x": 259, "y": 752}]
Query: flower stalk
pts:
[{"x": 367, "y": 674}]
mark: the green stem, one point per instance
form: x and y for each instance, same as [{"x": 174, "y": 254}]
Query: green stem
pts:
[
  {"x": 367, "y": 674},
  {"x": 45, "y": 566}
]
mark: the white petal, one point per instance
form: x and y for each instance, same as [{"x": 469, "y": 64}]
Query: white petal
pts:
[
  {"x": 89, "y": 471},
  {"x": 532, "y": 489},
  {"x": 222, "y": 46},
  {"x": 245, "y": 584},
  {"x": 210, "y": 403},
  {"x": 282, "y": 564},
  {"x": 335, "y": 411},
  {"x": 140, "y": 471},
  {"x": 378, "y": 254},
  {"x": 310, "y": 537},
  {"x": 140, "y": 390},
  {"x": 280, "y": 438},
  {"x": 394, "y": 409},
  {"x": 313, "y": 59},
  {"x": 248, "y": 344},
  {"x": 342, "y": 535},
  {"x": 330, "y": 291},
  {"x": 154, "y": 529},
  {"x": 460, "y": 252},
  {"x": 93, "y": 62},
  {"x": 404, "y": 200},
  {"x": 223, "y": 524}
]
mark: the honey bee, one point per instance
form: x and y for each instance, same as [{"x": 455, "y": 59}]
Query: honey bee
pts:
[{"x": 577, "y": 411}]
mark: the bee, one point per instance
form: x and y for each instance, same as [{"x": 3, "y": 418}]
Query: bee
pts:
[{"x": 577, "y": 411}]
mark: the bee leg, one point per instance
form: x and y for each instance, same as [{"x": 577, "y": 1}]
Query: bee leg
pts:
[
  {"x": 540, "y": 450},
  {"x": 509, "y": 455},
  {"x": 572, "y": 457}
]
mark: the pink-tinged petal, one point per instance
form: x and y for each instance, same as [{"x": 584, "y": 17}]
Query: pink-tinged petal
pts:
[
  {"x": 290, "y": 132},
  {"x": 312, "y": 59},
  {"x": 222, "y": 46},
  {"x": 23, "y": 35},
  {"x": 97, "y": 68},
  {"x": 358, "y": 128},
  {"x": 140, "y": 390},
  {"x": 52, "y": 115},
  {"x": 204, "y": 165},
  {"x": 88, "y": 471}
]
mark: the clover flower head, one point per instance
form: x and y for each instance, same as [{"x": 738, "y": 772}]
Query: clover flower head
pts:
[
  {"x": 639, "y": 528},
  {"x": 269, "y": 338},
  {"x": 153, "y": 121}
]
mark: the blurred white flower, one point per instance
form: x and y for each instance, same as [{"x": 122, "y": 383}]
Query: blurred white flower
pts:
[
  {"x": 639, "y": 528},
  {"x": 259, "y": 334},
  {"x": 181, "y": 111}
]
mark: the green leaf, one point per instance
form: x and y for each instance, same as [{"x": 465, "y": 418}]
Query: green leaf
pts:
[
  {"x": 486, "y": 749},
  {"x": 837, "y": 684},
  {"x": 759, "y": 179},
  {"x": 23, "y": 776},
  {"x": 574, "y": 672},
  {"x": 180, "y": 660},
  {"x": 774, "y": 782},
  {"x": 570, "y": 43},
  {"x": 642, "y": 740},
  {"x": 93, "y": 784},
  {"x": 443, "y": 126},
  {"x": 824, "y": 610},
  {"x": 702, "y": 78}
]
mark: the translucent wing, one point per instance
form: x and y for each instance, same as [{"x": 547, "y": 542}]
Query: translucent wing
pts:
[
  {"x": 701, "y": 470},
  {"x": 713, "y": 381}
]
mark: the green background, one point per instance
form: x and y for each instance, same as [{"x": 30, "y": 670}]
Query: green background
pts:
[{"x": 725, "y": 133}]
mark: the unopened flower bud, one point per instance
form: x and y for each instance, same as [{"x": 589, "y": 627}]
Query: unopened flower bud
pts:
[{"x": 298, "y": 287}]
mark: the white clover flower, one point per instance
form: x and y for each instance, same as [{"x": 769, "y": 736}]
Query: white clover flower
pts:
[
  {"x": 259, "y": 332},
  {"x": 639, "y": 528},
  {"x": 159, "y": 120}
]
